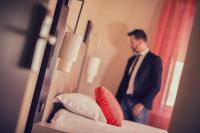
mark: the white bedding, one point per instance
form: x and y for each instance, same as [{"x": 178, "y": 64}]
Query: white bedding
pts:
[
  {"x": 128, "y": 126},
  {"x": 77, "y": 124}
]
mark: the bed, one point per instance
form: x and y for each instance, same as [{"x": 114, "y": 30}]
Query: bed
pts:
[
  {"x": 78, "y": 124},
  {"x": 79, "y": 113}
]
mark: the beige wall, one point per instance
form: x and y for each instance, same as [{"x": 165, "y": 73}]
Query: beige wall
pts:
[{"x": 113, "y": 20}]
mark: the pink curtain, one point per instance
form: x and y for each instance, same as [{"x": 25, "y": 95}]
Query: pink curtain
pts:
[{"x": 171, "y": 37}]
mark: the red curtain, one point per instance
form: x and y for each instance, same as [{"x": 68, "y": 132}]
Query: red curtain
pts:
[{"x": 171, "y": 37}]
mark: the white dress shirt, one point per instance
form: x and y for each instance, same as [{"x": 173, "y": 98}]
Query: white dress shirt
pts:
[{"x": 137, "y": 66}]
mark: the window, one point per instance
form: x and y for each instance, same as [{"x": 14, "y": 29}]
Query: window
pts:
[{"x": 174, "y": 83}]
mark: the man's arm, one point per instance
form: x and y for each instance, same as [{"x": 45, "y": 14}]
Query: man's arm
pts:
[{"x": 155, "y": 84}]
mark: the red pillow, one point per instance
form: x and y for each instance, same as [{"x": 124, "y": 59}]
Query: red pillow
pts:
[{"x": 109, "y": 105}]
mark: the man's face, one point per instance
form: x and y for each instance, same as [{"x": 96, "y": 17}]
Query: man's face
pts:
[{"x": 134, "y": 43}]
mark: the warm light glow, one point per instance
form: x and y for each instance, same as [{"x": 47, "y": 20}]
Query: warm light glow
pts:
[{"x": 92, "y": 68}]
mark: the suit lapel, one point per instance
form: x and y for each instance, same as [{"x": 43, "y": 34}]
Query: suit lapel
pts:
[
  {"x": 144, "y": 63},
  {"x": 130, "y": 64}
]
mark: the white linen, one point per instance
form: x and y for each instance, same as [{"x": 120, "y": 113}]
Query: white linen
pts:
[
  {"x": 71, "y": 122},
  {"x": 83, "y": 105}
]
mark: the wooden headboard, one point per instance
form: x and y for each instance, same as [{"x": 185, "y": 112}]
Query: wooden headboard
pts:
[{"x": 63, "y": 82}]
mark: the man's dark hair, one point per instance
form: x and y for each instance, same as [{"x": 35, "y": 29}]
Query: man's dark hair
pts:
[{"x": 139, "y": 34}]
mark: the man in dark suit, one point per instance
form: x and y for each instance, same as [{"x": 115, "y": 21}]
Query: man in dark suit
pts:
[{"x": 141, "y": 81}]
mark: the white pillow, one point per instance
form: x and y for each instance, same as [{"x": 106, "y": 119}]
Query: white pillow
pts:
[
  {"x": 65, "y": 119},
  {"x": 82, "y": 105}
]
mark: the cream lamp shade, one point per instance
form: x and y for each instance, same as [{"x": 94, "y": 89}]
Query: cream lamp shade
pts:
[
  {"x": 92, "y": 69},
  {"x": 69, "y": 51}
]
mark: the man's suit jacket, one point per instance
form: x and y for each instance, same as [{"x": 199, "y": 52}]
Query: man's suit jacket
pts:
[{"x": 147, "y": 81}]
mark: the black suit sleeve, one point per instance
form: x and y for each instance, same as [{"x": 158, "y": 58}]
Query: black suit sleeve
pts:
[{"x": 155, "y": 84}]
